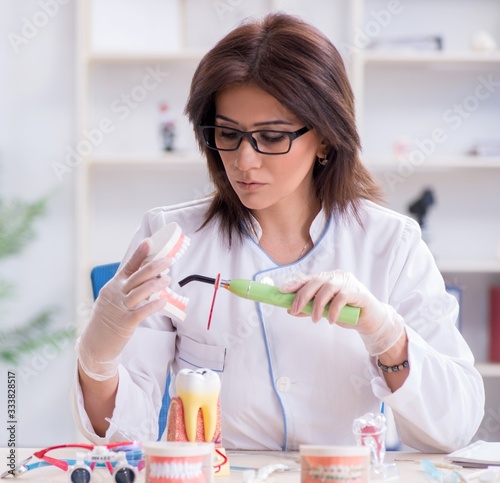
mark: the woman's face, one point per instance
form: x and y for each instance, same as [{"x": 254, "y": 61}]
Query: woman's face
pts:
[{"x": 264, "y": 181}]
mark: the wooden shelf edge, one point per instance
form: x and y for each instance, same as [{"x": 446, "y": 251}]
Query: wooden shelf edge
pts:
[
  {"x": 124, "y": 57},
  {"x": 439, "y": 57},
  {"x": 173, "y": 159},
  {"x": 468, "y": 266},
  {"x": 488, "y": 369},
  {"x": 434, "y": 162}
]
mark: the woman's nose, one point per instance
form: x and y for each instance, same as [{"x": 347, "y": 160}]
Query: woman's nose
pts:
[{"x": 246, "y": 157}]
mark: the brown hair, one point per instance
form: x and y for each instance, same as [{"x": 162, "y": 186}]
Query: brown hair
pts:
[{"x": 295, "y": 63}]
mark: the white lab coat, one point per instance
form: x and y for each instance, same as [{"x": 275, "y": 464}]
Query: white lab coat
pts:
[{"x": 285, "y": 380}]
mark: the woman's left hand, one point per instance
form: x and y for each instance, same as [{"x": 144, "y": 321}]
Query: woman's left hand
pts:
[{"x": 379, "y": 324}]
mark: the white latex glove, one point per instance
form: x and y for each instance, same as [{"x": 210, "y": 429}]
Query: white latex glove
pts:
[
  {"x": 121, "y": 305},
  {"x": 379, "y": 325}
]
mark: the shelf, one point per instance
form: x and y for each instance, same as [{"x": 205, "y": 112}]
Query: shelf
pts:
[
  {"x": 139, "y": 58},
  {"x": 469, "y": 266},
  {"x": 167, "y": 159},
  {"x": 488, "y": 369},
  {"x": 112, "y": 183},
  {"x": 435, "y": 162},
  {"x": 438, "y": 58}
]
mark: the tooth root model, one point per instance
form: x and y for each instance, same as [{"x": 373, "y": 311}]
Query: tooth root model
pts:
[
  {"x": 199, "y": 390},
  {"x": 194, "y": 416}
]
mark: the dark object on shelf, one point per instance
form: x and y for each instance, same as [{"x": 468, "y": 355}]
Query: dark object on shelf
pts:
[
  {"x": 486, "y": 148},
  {"x": 426, "y": 43},
  {"x": 167, "y": 127},
  {"x": 421, "y": 205}
]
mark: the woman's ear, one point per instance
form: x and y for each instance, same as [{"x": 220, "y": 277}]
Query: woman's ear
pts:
[{"x": 323, "y": 150}]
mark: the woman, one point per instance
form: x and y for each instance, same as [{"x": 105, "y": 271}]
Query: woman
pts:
[{"x": 273, "y": 112}]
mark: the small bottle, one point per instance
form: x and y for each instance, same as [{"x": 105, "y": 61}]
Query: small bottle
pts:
[{"x": 167, "y": 127}]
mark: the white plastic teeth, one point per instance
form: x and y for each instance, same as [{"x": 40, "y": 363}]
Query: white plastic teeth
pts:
[
  {"x": 181, "y": 301},
  {"x": 176, "y": 304},
  {"x": 199, "y": 390},
  {"x": 182, "y": 249},
  {"x": 168, "y": 241},
  {"x": 182, "y": 470}
]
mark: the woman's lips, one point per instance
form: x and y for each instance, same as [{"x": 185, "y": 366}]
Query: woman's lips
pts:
[{"x": 249, "y": 185}]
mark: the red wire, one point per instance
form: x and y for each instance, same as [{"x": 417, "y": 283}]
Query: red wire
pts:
[
  {"x": 216, "y": 287},
  {"x": 224, "y": 458},
  {"x": 57, "y": 462},
  {"x": 109, "y": 466}
]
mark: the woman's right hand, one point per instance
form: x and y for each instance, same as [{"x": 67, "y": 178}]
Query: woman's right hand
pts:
[{"x": 121, "y": 306}]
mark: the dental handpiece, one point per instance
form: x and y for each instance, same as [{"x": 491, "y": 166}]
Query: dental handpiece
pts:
[{"x": 269, "y": 294}]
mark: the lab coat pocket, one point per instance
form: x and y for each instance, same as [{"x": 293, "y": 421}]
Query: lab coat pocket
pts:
[{"x": 194, "y": 355}]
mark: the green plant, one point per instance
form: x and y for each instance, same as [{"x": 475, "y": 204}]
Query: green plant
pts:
[{"x": 17, "y": 219}]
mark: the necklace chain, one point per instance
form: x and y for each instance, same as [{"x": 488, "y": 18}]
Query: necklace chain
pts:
[{"x": 303, "y": 250}]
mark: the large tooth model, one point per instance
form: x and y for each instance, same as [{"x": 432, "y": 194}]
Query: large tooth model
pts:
[
  {"x": 199, "y": 390},
  {"x": 194, "y": 415}
]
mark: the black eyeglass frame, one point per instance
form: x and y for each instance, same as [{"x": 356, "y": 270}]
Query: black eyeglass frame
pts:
[{"x": 249, "y": 135}]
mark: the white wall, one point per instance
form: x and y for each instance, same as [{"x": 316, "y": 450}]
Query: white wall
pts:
[{"x": 37, "y": 89}]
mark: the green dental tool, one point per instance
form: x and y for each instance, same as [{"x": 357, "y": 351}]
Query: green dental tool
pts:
[{"x": 269, "y": 294}]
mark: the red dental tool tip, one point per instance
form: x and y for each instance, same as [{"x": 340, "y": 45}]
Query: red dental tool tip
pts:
[{"x": 216, "y": 287}]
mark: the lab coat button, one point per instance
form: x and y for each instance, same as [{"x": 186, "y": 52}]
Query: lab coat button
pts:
[{"x": 283, "y": 384}]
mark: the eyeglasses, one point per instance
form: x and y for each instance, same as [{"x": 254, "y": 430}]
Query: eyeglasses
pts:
[
  {"x": 121, "y": 459},
  {"x": 264, "y": 141}
]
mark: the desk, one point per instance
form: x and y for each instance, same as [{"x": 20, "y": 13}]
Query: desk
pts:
[{"x": 409, "y": 472}]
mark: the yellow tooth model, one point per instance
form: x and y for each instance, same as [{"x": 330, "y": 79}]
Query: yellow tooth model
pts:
[
  {"x": 198, "y": 390},
  {"x": 194, "y": 415}
]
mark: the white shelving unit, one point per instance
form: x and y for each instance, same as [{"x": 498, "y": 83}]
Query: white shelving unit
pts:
[
  {"x": 403, "y": 97},
  {"x": 111, "y": 73},
  {"x": 400, "y": 95},
  {"x": 122, "y": 175}
]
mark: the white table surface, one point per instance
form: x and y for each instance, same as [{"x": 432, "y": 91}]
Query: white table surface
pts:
[{"x": 409, "y": 471}]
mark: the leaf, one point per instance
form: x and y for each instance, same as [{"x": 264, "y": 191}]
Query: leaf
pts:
[
  {"x": 17, "y": 342},
  {"x": 16, "y": 224},
  {"x": 6, "y": 289},
  {"x": 16, "y": 231}
]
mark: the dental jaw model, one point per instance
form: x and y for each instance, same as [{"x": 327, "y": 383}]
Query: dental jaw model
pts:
[
  {"x": 194, "y": 415},
  {"x": 168, "y": 462},
  {"x": 169, "y": 242}
]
